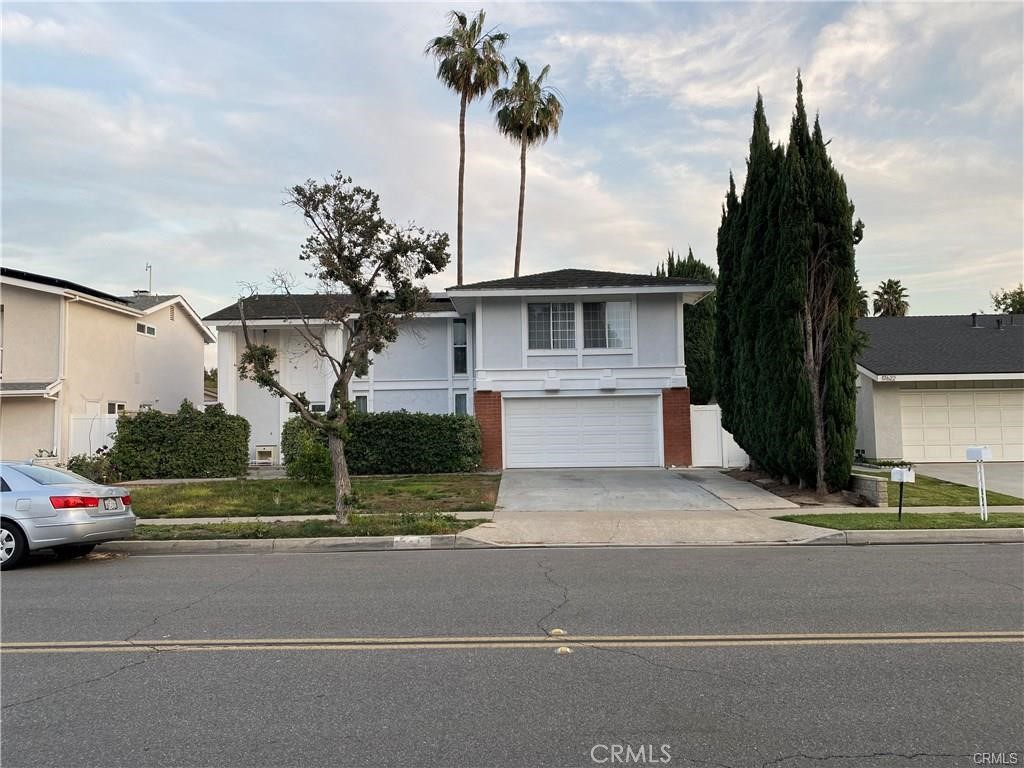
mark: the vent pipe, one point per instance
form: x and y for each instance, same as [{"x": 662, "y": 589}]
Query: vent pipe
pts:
[
  {"x": 974, "y": 319},
  {"x": 999, "y": 323}
]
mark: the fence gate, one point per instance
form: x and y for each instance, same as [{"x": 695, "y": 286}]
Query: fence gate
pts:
[
  {"x": 712, "y": 446},
  {"x": 90, "y": 433}
]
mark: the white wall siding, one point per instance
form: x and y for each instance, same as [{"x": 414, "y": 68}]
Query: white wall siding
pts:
[
  {"x": 657, "y": 331},
  {"x": 503, "y": 333},
  {"x": 418, "y": 400},
  {"x": 420, "y": 352}
]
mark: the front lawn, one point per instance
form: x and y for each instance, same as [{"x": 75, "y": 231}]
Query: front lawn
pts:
[
  {"x": 932, "y": 492},
  {"x": 358, "y": 525},
  {"x": 414, "y": 494},
  {"x": 878, "y": 521}
]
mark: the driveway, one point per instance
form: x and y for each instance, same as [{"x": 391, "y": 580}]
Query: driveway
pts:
[
  {"x": 1000, "y": 476},
  {"x": 636, "y": 507}
]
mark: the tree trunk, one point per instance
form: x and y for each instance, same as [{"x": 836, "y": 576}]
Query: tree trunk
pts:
[
  {"x": 812, "y": 368},
  {"x": 522, "y": 201},
  {"x": 342, "y": 482},
  {"x": 462, "y": 185}
]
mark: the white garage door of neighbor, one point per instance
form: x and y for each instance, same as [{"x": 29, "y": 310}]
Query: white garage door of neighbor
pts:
[
  {"x": 583, "y": 432},
  {"x": 939, "y": 425}
]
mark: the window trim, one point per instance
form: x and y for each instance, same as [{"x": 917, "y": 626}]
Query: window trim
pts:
[
  {"x": 147, "y": 330},
  {"x": 119, "y": 407},
  {"x": 464, "y": 345}
]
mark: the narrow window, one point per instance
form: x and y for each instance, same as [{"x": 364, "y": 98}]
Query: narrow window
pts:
[
  {"x": 361, "y": 404},
  {"x": 140, "y": 328},
  {"x": 150, "y": 330},
  {"x": 607, "y": 325},
  {"x": 551, "y": 326},
  {"x": 459, "y": 344},
  {"x": 318, "y": 408},
  {"x": 460, "y": 404}
]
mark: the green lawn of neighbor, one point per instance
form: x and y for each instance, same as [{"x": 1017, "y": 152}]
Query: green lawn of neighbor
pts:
[
  {"x": 371, "y": 495},
  {"x": 932, "y": 492},
  {"x": 359, "y": 525},
  {"x": 877, "y": 521}
]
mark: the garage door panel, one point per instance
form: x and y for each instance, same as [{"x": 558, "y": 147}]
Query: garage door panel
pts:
[
  {"x": 582, "y": 431},
  {"x": 940, "y": 426}
]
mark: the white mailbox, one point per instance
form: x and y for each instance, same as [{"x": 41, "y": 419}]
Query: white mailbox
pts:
[
  {"x": 902, "y": 475},
  {"x": 979, "y": 453}
]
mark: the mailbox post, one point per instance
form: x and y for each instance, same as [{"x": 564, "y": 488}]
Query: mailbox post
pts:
[
  {"x": 901, "y": 475},
  {"x": 978, "y": 454}
]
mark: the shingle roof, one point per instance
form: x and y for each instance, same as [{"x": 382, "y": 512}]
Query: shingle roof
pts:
[
  {"x": 25, "y": 386},
  {"x": 144, "y": 301},
  {"x": 943, "y": 344},
  {"x": 275, "y": 306},
  {"x": 56, "y": 282},
  {"x": 578, "y": 278}
]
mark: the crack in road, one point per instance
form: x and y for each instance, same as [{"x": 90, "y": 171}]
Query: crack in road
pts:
[
  {"x": 565, "y": 597},
  {"x": 153, "y": 653}
]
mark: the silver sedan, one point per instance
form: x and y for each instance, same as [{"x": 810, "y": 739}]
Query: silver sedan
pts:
[{"x": 46, "y": 508}]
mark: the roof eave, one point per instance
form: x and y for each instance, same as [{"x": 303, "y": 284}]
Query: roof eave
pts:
[{"x": 582, "y": 290}]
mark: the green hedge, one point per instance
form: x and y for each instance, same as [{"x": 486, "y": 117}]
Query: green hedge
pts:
[
  {"x": 389, "y": 443},
  {"x": 189, "y": 443}
]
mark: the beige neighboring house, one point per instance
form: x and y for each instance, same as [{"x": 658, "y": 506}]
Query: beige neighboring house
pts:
[{"x": 72, "y": 358}]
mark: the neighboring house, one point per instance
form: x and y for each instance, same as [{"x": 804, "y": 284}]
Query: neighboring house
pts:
[
  {"x": 929, "y": 387},
  {"x": 572, "y": 368},
  {"x": 72, "y": 358}
]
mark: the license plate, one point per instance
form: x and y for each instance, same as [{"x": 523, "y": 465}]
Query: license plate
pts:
[{"x": 110, "y": 503}]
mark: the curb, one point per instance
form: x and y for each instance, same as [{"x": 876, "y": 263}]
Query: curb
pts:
[
  {"x": 458, "y": 541},
  {"x": 271, "y": 546},
  {"x": 922, "y": 536}
]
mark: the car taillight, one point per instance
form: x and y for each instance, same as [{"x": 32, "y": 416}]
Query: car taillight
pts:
[
  {"x": 74, "y": 502},
  {"x": 126, "y": 500}
]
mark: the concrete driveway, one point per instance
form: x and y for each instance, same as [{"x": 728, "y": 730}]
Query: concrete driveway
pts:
[
  {"x": 1000, "y": 476},
  {"x": 636, "y": 507}
]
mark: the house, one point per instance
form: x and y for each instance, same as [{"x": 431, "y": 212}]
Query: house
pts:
[
  {"x": 571, "y": 368},
  {"x": 72, "y": 358},
  {"x": 929, "y": 387}
]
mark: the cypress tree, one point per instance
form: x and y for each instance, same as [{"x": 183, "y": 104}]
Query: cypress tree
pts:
[
  {"x": 699, "y": 320},
  {"x": 725, "y": 388}
]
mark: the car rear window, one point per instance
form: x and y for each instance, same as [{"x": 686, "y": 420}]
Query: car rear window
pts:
[{"x": 49, "y": 475}]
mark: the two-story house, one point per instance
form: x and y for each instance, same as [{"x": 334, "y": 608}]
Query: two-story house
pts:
[
  {"x": 72, "y": 358},
  {"x": 572, "y": 368}
]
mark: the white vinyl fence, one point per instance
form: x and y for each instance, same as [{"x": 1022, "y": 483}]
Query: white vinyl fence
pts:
[
  {"x": 89, "y": 433},
  {"x": 713, "y": 446}
]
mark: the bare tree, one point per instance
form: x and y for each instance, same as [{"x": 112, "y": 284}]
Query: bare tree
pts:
[{"x": 368, "y": 268}]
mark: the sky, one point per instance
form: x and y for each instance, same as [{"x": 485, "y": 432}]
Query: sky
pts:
[{"x": 138, "y": 133}]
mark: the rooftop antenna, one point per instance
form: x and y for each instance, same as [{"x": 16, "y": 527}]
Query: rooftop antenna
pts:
[{"x": 149, "y": 270}]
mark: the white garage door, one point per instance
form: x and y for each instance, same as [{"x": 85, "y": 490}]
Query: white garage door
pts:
[
  {"x": 939, "y": 425},
  {"x": 583, "y": 432}
]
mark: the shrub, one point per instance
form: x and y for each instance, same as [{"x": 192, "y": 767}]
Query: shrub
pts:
[
  {"x": 389, "y": 443},
  {"x": 189, "y": 443},
  {"x": 97, "y": 466}
]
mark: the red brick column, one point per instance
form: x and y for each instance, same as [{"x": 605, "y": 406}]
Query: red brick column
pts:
[
  {"x": 675, "y": 415},
  {"x": 487, "y": 409}
]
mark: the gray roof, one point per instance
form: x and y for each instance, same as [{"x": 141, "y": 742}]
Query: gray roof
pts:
[
  {"x": 56, "y": 282},
  {"x": 579, "y": 278},
  {"x": 275, "y": 306},
  {"x": 144, "y": 301},
  {"x": 24, "y": 386},
  {"x": 943, "y": 344}
]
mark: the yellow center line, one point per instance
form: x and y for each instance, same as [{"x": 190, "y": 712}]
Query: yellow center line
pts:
[{"x": 511, "y": 642}]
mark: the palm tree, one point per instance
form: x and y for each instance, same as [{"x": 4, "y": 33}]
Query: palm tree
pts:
[
  {"x": 469, "y": 62},
  {"x": 890, "y": 299},
  {"x": 861, "y": 309},
  {"x": 527, "y": 112}
]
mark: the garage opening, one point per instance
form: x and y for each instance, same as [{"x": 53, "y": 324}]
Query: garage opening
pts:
[{"x": 621, "y": 431}]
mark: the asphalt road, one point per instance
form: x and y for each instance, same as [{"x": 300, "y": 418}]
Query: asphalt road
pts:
[{"x": 484, "y": 685}]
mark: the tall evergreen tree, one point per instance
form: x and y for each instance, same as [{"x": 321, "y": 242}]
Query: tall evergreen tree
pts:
[
  {"x": 725, "y": 297},
  {"x": 699, "y": 322}
]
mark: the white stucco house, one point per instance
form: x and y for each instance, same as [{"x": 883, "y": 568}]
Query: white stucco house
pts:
[
  {"x": 571, "y": 368},
  {"x": 929, "y": 387},
  {"x": 72, "y": 358}
]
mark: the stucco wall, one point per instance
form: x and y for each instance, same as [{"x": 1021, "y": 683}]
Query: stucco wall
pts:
[
  {"x": 419, "y": 352},
  {"x": 503, "y": 333},
  {"x": 658, "y": 329},
  {"x": 31, "y": 334},
  {"x": 421, "y": 401},
  {"x": 170, "y": 364},
  {"x": 26, "y": 425},
  {"x": 879, "y": 423}
]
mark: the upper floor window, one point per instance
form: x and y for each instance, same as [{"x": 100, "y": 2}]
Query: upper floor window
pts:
[
  {"x": 459, "y": 360},
  {"x": 145, "y": 330},
  {"x": 551, "y": 326},
  {"x": 607, "y": 325}
]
